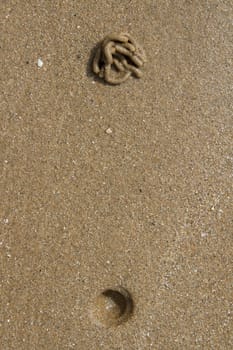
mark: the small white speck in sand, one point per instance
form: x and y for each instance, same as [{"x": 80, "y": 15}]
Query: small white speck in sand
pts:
[
  {"x": 40, "y": 63},
  {"x": 6, "y": 221},
  {"x": 108, "y": 131},
  {"x": 204, "y": 234}
]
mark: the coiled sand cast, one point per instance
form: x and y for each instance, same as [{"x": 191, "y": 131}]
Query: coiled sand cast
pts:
[{"x": 118, "y": 57}]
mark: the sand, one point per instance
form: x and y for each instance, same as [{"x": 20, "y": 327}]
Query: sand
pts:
[{"x": 105, "y": 186}]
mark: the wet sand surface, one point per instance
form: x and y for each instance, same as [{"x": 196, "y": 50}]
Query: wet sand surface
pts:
[{"x": 105, "y": 186}]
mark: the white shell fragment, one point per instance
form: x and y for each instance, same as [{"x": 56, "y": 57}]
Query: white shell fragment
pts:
[{"x": 40, "y": 63}]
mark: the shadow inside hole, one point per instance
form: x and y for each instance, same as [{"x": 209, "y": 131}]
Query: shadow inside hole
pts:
[{"x": 122, "y": 300}]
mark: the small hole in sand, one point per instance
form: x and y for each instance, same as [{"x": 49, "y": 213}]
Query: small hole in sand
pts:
[{"x": 112, "y": 307}]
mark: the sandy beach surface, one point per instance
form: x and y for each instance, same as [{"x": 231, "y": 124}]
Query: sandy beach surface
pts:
[{"x": 105, "y": 186}]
